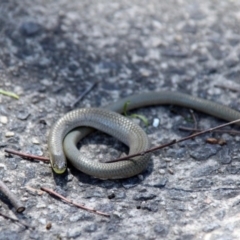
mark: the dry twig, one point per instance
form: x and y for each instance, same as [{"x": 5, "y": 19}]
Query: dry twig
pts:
[
  {"x": 233, "y": 132},
  {"x": 83, "y": 94},
  {"x": 26, "y": 155},
  {"x": 16, "y": 220},
  {"x": 12, "y": 198},
  {"x": 174, "y": 141},
  {"x": 235, "y": 88},
  {"x": 51, "y": 192},
  {"x": 128, "y": 157}
]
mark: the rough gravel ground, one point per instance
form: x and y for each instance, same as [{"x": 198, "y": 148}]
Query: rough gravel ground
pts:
[{"x": 51, "y": 51}]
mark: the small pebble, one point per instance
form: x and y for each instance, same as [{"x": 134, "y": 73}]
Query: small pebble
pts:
[
  {"x": 42, "y": 220},
  {"x": 168, "y": 159},
  {"x": 3, "y": 166},
  {"x": 156, "y": 122},
  {"x": 9, "y": 134},
  {"x": 49, "y": 226},
  {"x": 145, "y": 72},
  {"x": 3, "y": 119},
  {"x": 23, "y": 114},
  {"x": 41, "y": 205},
  {"x": 170, "y": 171},
  {"x": 161, "y": 171},
  {"x": 46, "y": 82},
  {"x": 35, "y": 141}
]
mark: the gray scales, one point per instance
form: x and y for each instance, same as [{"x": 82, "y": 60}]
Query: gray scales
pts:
[{"x": 64, "y": 134}]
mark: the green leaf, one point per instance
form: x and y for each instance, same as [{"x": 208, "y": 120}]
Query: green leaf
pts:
[
  {"x": 10, "y": 94},
  {"x": 141, "y": 117},
  {"x": 125, "y": 108}
]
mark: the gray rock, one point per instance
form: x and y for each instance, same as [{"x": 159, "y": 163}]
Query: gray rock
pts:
[
  {"x": 225, "y": 193},
  {"x": 233, "y": 169},
  {"x": 13, "y": 140},
  {"x": 204, "y": 152},
  {"x": 174, "y": 216},
  {"x": 152, "y": 206},
  {"x": 30, "y": 29},
  {"x": 144, "y": 196},
  {"x": 130, "y": 182},
  {"x": 186, "y": 237},
  {"x": 179, "y": 195},
  {"x": 74, "y": 232},
  {"x": 3, "y": 144},
  {"x": 176, "y": 153},
  {"x": 225, "y": 156},
  {"x": 23, "y": 114},
  {"x": 161, "y": 230},
  {"x": 18, "y": 127},
  {"x": 233, "y": 75},
  {"x": 206, "y": 170},
  {"x": 91, "y": 193},
  {"x": 91, "y": 228},
  {"x": 81, "y": 217},
  {"x": 231, "y": 62},
  {"x": 12, "y": 163},
  {"x": 202, "y": 183},
  {"x": 161, "y": 183},
  {"x": 220, "y": 215},
  {"x": 211, "y": 227}
]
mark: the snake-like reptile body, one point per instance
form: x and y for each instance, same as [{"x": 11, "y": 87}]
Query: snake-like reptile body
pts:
[{"x": 65, "y": 132}]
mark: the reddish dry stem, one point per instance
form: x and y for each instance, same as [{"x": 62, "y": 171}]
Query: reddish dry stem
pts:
[
  {"x": 128, "y": 157},
  {"x": 15, "y": 220},
  {"x": 51, "y": 192},
  {"x": 26, "y": 155},
  {"x": 234, "y": 132},
  {"x": 231, "y": 88}
]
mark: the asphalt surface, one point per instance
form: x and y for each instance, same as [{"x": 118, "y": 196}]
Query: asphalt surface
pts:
[{"x": 52, "y": 51}]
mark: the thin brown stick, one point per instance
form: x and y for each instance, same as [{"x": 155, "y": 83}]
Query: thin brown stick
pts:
[
  {"x": 83, "y": 94},
  {"x": 12, "y": 198},
  {"x": 51, "y": 192},
  {"x": 172, "y": 142},
  {"x": 26, "y": 155},
  {"x": 234, "y": 132},
  {"x": 231, "y": 88},
  {"x": 16, "y": 220},
  {"x": 142, "y": 153}
]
